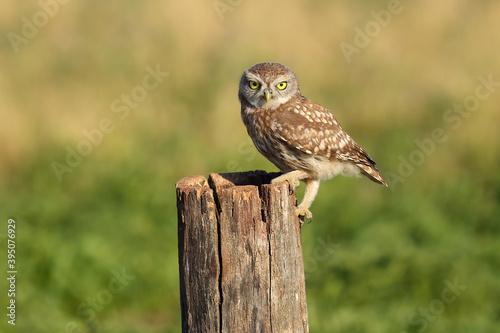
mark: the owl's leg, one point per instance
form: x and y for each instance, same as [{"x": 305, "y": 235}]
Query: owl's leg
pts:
[
  {"x": 293, "y": 178},
  {"x": 312, "y": 186}
]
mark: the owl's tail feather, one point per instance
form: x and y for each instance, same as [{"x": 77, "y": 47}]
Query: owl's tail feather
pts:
[{"x": 372, "y": 173}]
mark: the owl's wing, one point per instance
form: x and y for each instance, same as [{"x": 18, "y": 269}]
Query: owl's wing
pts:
[{"x": 312, "y": 129}]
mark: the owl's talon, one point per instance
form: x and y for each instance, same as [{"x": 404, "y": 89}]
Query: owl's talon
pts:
[
  {"x": 303, "y": 213},
  {"x": 292, "y": 183}
]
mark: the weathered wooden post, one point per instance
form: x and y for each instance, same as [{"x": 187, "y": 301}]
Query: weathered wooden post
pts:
[{"x": 240, "y": 255}]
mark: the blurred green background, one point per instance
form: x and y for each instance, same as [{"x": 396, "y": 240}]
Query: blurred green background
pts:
[{"x": 377, "y": 259}]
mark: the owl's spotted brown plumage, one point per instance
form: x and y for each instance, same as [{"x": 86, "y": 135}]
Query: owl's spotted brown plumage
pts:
[{"x": 302, "y": 138}]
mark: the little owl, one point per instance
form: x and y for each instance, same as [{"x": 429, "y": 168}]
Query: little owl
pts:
[{"x": 302, "y": 138}]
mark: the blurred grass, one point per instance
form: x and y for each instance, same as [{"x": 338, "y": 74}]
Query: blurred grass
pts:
[{"x": 116, "y": 209}]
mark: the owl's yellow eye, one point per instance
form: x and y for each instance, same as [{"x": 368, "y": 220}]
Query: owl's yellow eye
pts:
[
  {"x": 281, "y": 85},
  {"x": 253, "y": 84}
]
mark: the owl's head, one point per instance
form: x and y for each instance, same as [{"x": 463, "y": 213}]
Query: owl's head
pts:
[{"x": 268, "y": 85}]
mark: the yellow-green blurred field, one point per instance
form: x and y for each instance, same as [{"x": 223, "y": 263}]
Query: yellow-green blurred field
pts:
[{"x": 420, "y": 256}]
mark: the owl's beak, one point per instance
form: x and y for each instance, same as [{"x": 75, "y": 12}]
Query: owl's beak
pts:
[{"x": 268, "y": 94}]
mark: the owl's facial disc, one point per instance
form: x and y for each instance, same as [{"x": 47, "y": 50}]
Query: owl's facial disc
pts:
[{"x": 267, "y": 90}]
